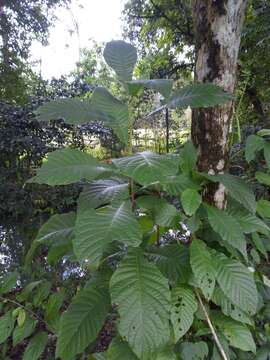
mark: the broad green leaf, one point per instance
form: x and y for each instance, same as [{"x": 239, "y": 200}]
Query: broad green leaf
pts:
[
  {"x": 188, "y": 157},
  {"x": 96, "y": 229},
  {"x": 67, "y": 166},
  {"x": 120, "y": 350},
  {"x": 7, "y": 322},
  {"x": 102, "y": 107},
  {"x": 21, "y": 333},
  {"x": 259, "y": 244},
  {"x": 173, "y": 261},
  {"x": 63, "y": 248},
  {"x": 36, "y": 346},
  {"x": 254, "y": 143},
  {"x": 237, "y": 282},
  {"x": 264, "y": 132},
  {"x": 121, "y": 57},
  {"x": 52, "y": 309},
  {"x": 167, "y": 354},
  {"x": 42, "y": 292},
  {"x": 81, "y": 323},
  {"x": 191, "y": 201},
  {"x": 263, "y": 353},
  {"x": 237, "y": 188},
  {"x": 216, "y": 353},
  {"x": 263, "y": 208},
  {"x": 249, "y": 222},
  {"x": 194, "y": 223},
  {"x": 57, "y": 233},
  {"x": 8, "y": 282},
  {"x": 147, "y": 167},
  {"x": 237, "y": 334},
  {"x": 73, "y": 111},
  {"x": 59, "y": 226},
  {"x": 163, "y": 213},
  {"x": 227, "y": 227},
  {"x": 176, "y": 184},
  {"x": 27, "y": 291},
  {"x": 194, "y": 351},
  {"x": 102, "y": 192},
  {"x": 147, "y": 224},
  {"x": 202, "y": 266},
  {"x": 198, "y": 95},
  {"x": 183, "y": 309},
  {"x": 116, "y": 112},
  {"x": 266, "y": 151},
  {"x": 220, "y": 299},
  {"x": 263, "y": 178},
  {"x": 98, "y": 356},
  {"x": 255, "y": 256},
  {"x": 163, "y": 86},
  {"x": 142, "y": 297},
  {"x": 21, "y": 317}
]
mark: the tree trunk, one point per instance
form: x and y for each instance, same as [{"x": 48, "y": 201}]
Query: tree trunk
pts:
[
  {"x": 4, "y": 36},
  {"x": 218, "y": 25}
]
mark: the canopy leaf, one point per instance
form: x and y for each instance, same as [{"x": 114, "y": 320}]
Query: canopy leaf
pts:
[
  {"x": 22, "y": 332},
  {"x": 237, "y": 189},
  {"x": 57, "y": 227},
  {"x": 237, "y": 334},
  {"x": 73, "y": 111},
  {"x": 198, "y": 95},
  {"x": 229, "y": 309},
  {"x": 102, "y": 192},
  {"x": 202, "y": 266},
  {"x": 237, "y": 282},
  {"x": 120, "y": 350},
  {"x": 263, "y": 208},
  {"x": 147, "y": 167},
  {"x": 121, "y": 57},
  {"x": 163, "y": 86},
  {"x": 7, "y": 322},
  {"x": 173, "y": 261},
  {"x": 36, "y": 346},
  {"x": 191, "y": 201},
  {"x": 227, "y": 227},
  {"x": 164, "y": 214},
  {"x": 68, "y": 166},
  {"x": 263, "y": 178},
  {"x": 96, "y": 229},
  {"x": 81, "y": 323},
  {"x": 143, "y": 300},
  {"x": 116, "y": 112},
  {"x": 194, "y": 351},
  {"x": 183, "y": 309},
  {"x": 254, "y": 144}
]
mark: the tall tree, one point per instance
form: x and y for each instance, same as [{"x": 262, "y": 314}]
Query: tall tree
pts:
[
  {"x": 161, "y": 30},
  {"x": 218, "y": 26},
  {"x": 20, "y": 23}
]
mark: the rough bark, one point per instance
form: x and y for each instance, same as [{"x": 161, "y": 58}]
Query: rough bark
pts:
[
  {"x": 4, "y": 36},
  {"x": 218, "y": 25}
]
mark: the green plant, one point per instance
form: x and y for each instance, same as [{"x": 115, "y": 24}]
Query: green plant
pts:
[{"x": 181, "y": 277}]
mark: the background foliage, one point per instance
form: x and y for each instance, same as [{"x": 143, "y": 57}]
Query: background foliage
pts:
[{"x": 44, "y": 243}]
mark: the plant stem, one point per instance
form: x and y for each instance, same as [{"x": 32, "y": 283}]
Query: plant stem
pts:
[
  {"x": 211, "y": 327},
  {"x": 158, "y": 235},
  {"x": 131, "y": 192},
  {"x": 167, "y": 130},
  {"x": 26, "y": 309}
]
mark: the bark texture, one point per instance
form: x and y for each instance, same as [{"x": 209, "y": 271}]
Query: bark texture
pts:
[{"x": 218, "y": 25}]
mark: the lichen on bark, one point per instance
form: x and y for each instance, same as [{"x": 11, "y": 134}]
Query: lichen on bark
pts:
[{"x": 218, "y": 25}]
